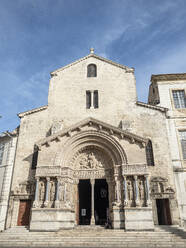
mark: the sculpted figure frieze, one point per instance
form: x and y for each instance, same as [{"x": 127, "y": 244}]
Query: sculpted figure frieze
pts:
[{"x": 89, "y": 158}]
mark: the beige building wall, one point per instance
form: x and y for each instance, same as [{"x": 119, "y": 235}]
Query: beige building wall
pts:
[
  {"x": 176, "y": 121},
  {"x": 9, "y": 142},
  {"x": 116, "y": 87}
]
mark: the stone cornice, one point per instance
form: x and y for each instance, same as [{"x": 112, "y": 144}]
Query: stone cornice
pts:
[
  {"x": 167, "y": 77},
  {"x": 20, "y": 115},
  {"x": 127, "y": 69},
  {"x": 12, "y": 134},
  {"x": 146, "y": 105},
  {"x": 179, "y": 169},
  {"x": 100, "y": 125}
]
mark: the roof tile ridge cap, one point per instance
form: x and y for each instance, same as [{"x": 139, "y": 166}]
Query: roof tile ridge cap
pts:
[
  {"x": 95, "y": 56},
  {"x": 21, "y": 114},
  {"x": 71, "y": 64},
  {"x": 152, "y": 106},
  {"x": 113, "y": 62}
]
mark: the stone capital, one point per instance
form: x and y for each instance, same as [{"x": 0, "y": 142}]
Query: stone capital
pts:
[
  {"x": 135, "y": 177},
  {"x": 48, "y": 179},
  {"x": 92, "y": 181}
]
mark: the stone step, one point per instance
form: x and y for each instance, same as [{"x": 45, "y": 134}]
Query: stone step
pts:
[
  {"x": 14, "y": 235},
  {"x": 17, "y": 228},
  {"x": 167, "y": 237},
  {"x": 93, "y": 244},
  {"x": 93, "y": 238}
]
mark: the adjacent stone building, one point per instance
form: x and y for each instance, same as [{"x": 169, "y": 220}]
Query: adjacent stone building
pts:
[
  {"x": 93, "y": 155},
  {"x": 8, "y": 142},
  {"x": 168, "y": 90}
]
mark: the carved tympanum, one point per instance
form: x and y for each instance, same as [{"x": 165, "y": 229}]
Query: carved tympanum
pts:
[{"x": 90, "y": 158}]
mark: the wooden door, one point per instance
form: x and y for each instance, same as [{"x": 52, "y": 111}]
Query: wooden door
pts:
[
  {"x": 163, "y": 210},
  {"x": 24, "y": 213},
  {"x": 168, "y": 214}
]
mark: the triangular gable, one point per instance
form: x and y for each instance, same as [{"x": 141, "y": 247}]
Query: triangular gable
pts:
[
  {"x": 127, "y": 69},
  {"x": 101, "y": 126}
]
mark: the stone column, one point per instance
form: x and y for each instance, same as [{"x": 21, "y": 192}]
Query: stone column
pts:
[
  {"x": 136, "y": 190},
  {"x": 147, "y": 190},
  {"x": 125, "y": 191},
  {"x": 57, "y": 193},
  {"x": 92, "y": 181},
  {"x": 92, "y": 99},
  {"x": 36, "y": 199},
  {"x": 47, "y": 192}
]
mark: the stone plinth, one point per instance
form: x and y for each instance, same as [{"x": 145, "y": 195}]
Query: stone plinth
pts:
[
  {"x": 117, "y": 218},
  {"x": 51, "y": 219},
  {"x": 138, "y": 219}
]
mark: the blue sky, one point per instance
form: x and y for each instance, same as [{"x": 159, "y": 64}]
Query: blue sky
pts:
[{"x": 37, "y": 37}]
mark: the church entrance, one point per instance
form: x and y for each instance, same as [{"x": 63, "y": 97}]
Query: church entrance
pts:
[
  {"x": 84, "y": 202},
  {"x": 24, "y": 213},
  {"x": 163, "y": 211},
  {"x": 101, "y": 201}
]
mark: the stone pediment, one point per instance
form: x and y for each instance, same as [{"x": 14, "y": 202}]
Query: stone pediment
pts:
[
  {"x": 96, "y": 125},
  {"x": 126, "y": 68}
]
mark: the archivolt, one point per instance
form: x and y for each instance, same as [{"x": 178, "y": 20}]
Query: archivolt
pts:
[{"x": 100, "y": 140}]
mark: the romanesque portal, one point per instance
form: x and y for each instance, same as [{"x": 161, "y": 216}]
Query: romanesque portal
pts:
[{"x": 92, "y": 185}]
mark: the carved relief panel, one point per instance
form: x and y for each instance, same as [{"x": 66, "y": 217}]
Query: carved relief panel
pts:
[
  {"x": 141, "y": 190},
  {"x": 130, "y": 191},
  {"x": 42, "y": 189},
  {"x": 52, "y": 195},
  {"x": 90, "y": 158}
]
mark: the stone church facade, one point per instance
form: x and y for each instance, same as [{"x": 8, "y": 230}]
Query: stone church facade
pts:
[{"x": 93, "y": 155}]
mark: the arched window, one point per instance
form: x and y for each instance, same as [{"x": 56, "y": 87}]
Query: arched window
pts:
[
  {"x": 91, "y": 70},
  {"x": 34, "y": 159},
  {"x": 149, "y": 154}
]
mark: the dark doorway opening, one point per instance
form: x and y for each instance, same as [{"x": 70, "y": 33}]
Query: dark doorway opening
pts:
[
  {"x": 84, "y": 202},
  {"x": 24, "y": 213},
  {"x": 163, "y": 211},
  {"x": 101, "y": 201}
]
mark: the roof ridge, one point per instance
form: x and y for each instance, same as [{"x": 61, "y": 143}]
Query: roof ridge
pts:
[
  {"x": 128, "y": 69},
  {"x": 22, "y": 114},
  {"x": 162, "y": 109}
]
